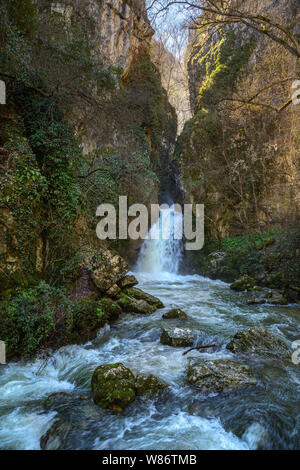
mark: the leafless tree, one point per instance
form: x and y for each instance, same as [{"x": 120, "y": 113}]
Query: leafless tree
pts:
[{"x": 219, "y": 13}]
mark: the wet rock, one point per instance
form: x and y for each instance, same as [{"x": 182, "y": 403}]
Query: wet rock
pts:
[
  {"x": 276, "y": 297},
  {"x": 258, "y": 341},
  {"x": 271, "y": 296},
  {"x": 114, "y": 291},
  {"x": 74, "y": 420},
  {"x": 256, "y": 301},
  {"x": 175, "y": 313},
  {"x": 139, "y": 294},
  {"x": 55, "y": 401},
  {"x": 107, "y": 269},
  {"x": 256, "y": 436},
  {"x": 128, "y": 281},
  {"x": 111, "y": 308},
  {"x": 128, "y": 304},
  {"x": 258, "y": 297},
  {"x": 149, "y": 385},
  {"x": 243, "y": 283},
  {"x": 174, "y": 336},
  {"x": 219, "y": 376},
  {"x": 113, "y": 386},
  {"x": 58, "y": 436}
]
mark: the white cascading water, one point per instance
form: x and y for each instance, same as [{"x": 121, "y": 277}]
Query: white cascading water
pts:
[{"x": 162, "y": 251}]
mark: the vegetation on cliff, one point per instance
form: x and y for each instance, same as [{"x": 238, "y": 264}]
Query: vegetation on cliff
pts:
[{"x": 50, "y": 184}]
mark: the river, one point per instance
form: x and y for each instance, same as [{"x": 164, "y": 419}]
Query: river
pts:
[{"x": 265, "y": 416}]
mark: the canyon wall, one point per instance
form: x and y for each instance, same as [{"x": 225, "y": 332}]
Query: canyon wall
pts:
[
  {"x": 242, "y": 160},
  {"x": 87, "y": 120}
]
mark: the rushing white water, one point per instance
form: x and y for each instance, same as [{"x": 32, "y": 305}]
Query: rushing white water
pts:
[
  {"x": 267, "y": 416},
  {"x": 162, "y": 251}
]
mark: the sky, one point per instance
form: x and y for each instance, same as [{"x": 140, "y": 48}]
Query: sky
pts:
[{"x": 165, "y": 24}]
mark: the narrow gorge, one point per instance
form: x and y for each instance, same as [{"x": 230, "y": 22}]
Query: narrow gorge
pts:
[{"x": 136, "y": 343}]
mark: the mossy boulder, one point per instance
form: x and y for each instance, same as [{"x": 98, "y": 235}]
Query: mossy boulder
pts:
[
  {"x": 243, "y": 283},
  {"x": 111, "y": 308},
  {"x": 149, "y": 385},
  {"x": 174, "y": 336},
  {"x": 258, "y": 342},
  {"x": 175, "y": 313},
  {"x": 128, "y": 281},
  {"x": 139, "y": 294},
  {"x": 219, "y": 376},
  {"x": 131, "y": 305},
  {"x": 113, "y": 386}
]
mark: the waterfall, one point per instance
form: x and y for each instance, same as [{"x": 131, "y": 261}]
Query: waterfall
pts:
[{"x": 162, "y": 250}]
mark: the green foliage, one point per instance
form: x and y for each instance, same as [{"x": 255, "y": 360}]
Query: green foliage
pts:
[
  {"x": 144, "y": 88},
  {"x": 143, "y": 93},
  {"x": 41, "y": 187},
  {"x": 271, "y": 258},
  {"x": 45, "y": 316},
  {"x": 248, "y": 241},
  {"x": 86, "y": 317},
  {"x": 224, "y": 63},
  {"x": 28, "y": 320},
  {"x": 23, "y": 14}
]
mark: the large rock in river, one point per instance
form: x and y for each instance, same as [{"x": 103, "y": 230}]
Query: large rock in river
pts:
[
  {"x": 174, "y": 336},
  {"x": 258, "y": 341},
  {"x": 219, "y": 376},
  {"x": 131, "y": 305},
  {"x": 139, "y": 294},
  {"x": 107, "y": 269},
  {"x": 149, "y": 385},
  {"x": 113, "y": 386},
  {"x": 175, "y": 313}
]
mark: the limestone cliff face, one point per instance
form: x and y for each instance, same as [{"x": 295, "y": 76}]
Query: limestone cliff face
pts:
[
  {"x": 120, "y": 27},
  {"x": 242, "y": 161},
  {"x": 135, "y": 122}
]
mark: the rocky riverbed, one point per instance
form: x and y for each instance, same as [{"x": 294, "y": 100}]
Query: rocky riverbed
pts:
[{"x": 262, "y": 413}]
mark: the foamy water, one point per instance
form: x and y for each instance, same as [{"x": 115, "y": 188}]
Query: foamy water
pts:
[{"x": 265, "y": 416}]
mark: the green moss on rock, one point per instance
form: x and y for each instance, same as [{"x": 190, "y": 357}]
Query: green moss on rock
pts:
[
  {"x": 113, "y": 386},
  {"x": 242, "y": 284},
  {"x": 139, "y": 294},
  {"x": 258, "y": 341},
  {"x": 175, "y": 313},
  {"x": 131, "y": 305},
  {"x": 219, "y": 376},
  {"x": 149, "y": 385}
]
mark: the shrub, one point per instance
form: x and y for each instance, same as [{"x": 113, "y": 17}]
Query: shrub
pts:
[{"x": 28, "y": 321}]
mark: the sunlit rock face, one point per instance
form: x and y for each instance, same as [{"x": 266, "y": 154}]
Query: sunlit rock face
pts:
[{"x": 120, "y": 27}]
